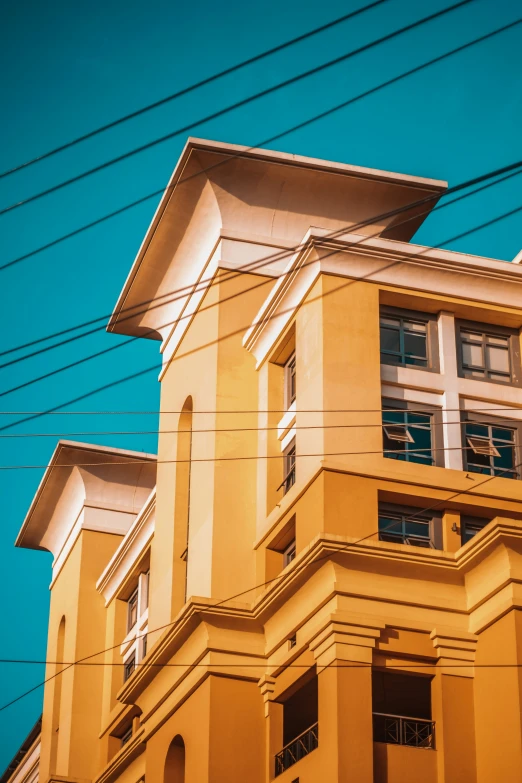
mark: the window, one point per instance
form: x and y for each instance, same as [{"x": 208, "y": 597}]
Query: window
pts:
[
  {"x": 401, "y": 705},
  {"x": 126, "y": 736},
  {"x": 132, "y": 610},
  {"x": 289, "y": 457},
  {"x": 289, "y": 553},
  {"x": 470, "y": 526},
  {"x": 290, "y": 381},
  {"x": 292, "y": 642},
  {"x": 489, "y": 354},
  {"x": 144, "y": 645},
  {"x": 128, "y": 667},
  {"x": 407, "y": 525},
  {"x": 489, "y": 449},
  {"x": 405, "y": 338},
  {"x": 408, "y": 435}
]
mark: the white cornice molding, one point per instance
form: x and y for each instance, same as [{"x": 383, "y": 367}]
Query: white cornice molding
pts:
[{"x": 441, "y": 272}]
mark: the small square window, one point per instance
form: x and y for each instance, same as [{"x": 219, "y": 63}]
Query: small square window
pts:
[
  {"x": 470, "y": 526},
  {"x": 406, "y": 525},
  {"x": 128, "y": 667},
  {"x": 292, "y": 642},
  {"x": 405, "y": 338},
  {"x": 488, "y": 353}
]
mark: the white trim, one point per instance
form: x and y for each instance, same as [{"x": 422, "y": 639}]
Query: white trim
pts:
[{"x": 130, "y": 551}]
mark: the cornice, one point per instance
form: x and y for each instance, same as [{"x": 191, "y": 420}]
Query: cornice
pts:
[{"x": 130, "y": 751}]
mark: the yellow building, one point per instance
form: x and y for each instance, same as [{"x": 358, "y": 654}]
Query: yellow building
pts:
[{"x": 321, "y": 577}]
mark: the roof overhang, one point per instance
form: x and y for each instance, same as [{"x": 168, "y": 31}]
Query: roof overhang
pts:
[
  {"x": 220, "y": 187},
  {"x": 113, "y": 482}
]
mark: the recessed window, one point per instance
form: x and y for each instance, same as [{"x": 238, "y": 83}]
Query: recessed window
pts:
[
  {"x": 406, "y": 525},
  {"x": 132, "y": 610},
  {"x": 290, "y": 381},
  {"x": 127, "y": 736},
  {"x": 470, "y": 526},
  {"x": 289, "y": 553},
  {"x": 404, "y": 338},
  {"x": 407, "y": 433},
  {"x": 289, "y": 460},
  {"x": 292, "y": 642},
  {"x": 144, "y": 645},
  {"x": 490, "y": 450},
  {"x": 128, "y": 667},
  {"x": 488, "y": 353}
]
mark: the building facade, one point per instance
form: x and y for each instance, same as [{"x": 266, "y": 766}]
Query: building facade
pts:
[{"x": 319, "y": 578}]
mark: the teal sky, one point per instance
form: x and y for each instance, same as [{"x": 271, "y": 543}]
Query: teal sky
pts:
[{"x": 69, "y": 67}]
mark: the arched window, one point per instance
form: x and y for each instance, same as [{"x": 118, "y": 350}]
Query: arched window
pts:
[
  {"x": 183, "y": 471},
  {"x": 175, "y": 761},
  {"x": 57, "y": 694}
]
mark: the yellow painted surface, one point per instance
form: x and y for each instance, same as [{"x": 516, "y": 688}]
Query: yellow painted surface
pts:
[{"x": 231, "y": 628}]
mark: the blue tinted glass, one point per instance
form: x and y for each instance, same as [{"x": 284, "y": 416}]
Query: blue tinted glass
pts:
[
  {"x": 477, "y": 429},
  {"x": 390, "y": 340},
  {"x": 503, "y": 434}
]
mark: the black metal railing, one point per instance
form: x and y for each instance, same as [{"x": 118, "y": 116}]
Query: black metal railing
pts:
[
  {"x": 399, "y": 730},
  {"x": 300, "y": 747}
]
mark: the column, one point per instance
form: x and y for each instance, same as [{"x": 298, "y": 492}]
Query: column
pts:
[
  {"x": 343, "y": 651},
  {"x": 453, "y": 705},
  {"x": 450, "y": 399}
]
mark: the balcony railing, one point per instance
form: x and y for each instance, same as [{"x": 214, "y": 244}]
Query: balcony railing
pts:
[
  {"x": 300, "y": 747},
  {"x": 399, "y": 730}
]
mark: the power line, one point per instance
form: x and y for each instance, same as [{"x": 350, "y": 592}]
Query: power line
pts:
[
  {"x": 299, "y": 126},
  {"x": 237, "y": 105},
  {"x": 191, "y": 460},
  {"x": 242, "y": 412},
  {"x": 192, "y": 87},
  {"x": 186, "y": 290},
  {"x": 295, "y": 571},
  {"x": 97, "y": 433}
]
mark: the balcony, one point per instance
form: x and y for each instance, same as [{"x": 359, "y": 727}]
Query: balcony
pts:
[
  {"x": 400, "y": 730},
  {"x": 300, "y": 747}
]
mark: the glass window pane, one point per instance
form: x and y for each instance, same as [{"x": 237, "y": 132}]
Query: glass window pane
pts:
[
  {"x": 497, "y": 340},
  {"x": 472, "y": 336},
  {"x": 481, "y": 430},
  {"x": 502, "y": 433},
  {"x": 387, "y": 320},
  {"x": 415, "y": 344},
  {"x": 498, "y": 358},
  {"x": 417, "y": 528},
  {"x": 421, "y": 438},
  {"x": 472, "y": 355},
  {"x": 391, "y": 358},
  {"x": 393, "y": 417},
  {"x": 414, "y": 326},
  {"x": 482, "y": 460},
  {"x": 390, "y": 340},
  {"x": 390, "y": 523}
]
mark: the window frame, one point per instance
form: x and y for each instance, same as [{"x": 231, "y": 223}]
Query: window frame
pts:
[
  {"x": 435, "y": 522},
  {"x": 469, "y": 417},
  {"x": 437, "y": 438},
  {"x": 127, "y": 674},
  {"x": 493, "y": 331},
  {"x": 133, "y": 607},
  {"x": 289, "y": 553},
  {"x": 290, "y": 381},
  {"x": 432, "y": 343},
  {"x": 467, "y": 522},
  {"x": 126, "y": 736},
  {"x": 287, "y": 457}
]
